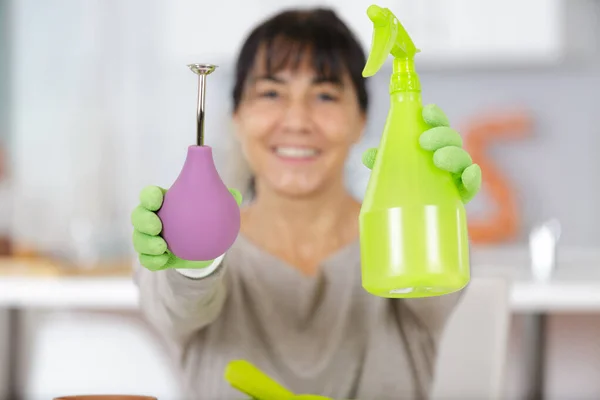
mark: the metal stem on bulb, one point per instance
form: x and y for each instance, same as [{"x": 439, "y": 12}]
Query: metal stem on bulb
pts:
[{"x": 202, "y": 70}]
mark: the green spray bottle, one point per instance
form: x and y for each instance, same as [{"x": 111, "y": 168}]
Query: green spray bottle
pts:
[{"x": 413, "y": 225}]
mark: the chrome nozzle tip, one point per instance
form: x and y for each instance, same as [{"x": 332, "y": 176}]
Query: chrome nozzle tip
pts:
[{"x": 202, "y": 69}]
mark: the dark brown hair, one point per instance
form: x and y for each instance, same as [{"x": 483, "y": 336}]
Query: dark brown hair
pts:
[{"x": 288, "y": 36}]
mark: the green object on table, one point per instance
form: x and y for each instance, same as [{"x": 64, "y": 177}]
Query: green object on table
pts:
[
  {"x": 251, "y": 381},
  {"x": 148, "y": 243},
  {"x": 413, "y": 225}
]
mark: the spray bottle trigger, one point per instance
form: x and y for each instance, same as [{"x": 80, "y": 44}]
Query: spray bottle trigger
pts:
[
  {"x": 382, "y": 42},
  {"x": 389, "y": 37}
]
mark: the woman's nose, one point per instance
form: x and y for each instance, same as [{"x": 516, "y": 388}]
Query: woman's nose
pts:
[{"x": 297, "y": 117}]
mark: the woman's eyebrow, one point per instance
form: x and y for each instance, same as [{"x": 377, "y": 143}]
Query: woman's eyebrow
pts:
[
  {"x": 334, "y": 81},
  {"x": 315, "y": 81},
  {"x": 270, "y": 78}
]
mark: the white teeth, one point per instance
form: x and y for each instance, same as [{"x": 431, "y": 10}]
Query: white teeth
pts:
[{"x": 296, "y": 152}]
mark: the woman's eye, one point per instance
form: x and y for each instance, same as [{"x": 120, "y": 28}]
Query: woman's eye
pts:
[
  {"x": 269, "y": 94},
  {"x": 327, "y": 97}
]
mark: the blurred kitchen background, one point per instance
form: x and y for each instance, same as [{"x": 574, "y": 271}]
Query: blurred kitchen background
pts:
[{"x": 96, "y": 102}]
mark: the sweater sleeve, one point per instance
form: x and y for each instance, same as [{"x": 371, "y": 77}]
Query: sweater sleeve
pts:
[
  {"x": 422, "y": 322},
  {"x": 179, "y": 303},
  {"x": 432, "y": 313}
]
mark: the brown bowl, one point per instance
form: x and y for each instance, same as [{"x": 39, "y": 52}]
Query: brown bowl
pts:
[{"x": 106, "y": 397}]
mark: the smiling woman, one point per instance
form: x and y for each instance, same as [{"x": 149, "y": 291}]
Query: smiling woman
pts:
[{"x": 287, "y": 296}]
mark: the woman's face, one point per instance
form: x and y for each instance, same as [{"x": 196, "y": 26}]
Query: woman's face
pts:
[{"x": 296, "y": 130}]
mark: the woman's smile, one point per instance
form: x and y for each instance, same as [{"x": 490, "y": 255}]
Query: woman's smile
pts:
[{"x": 296, "y": 154}]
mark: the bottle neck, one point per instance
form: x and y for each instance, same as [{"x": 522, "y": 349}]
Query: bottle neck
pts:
[{"x": 404, "y": 77}]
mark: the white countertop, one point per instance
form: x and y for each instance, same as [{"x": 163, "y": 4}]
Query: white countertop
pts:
[
  {"x": 556, "y": 297},
  {"x": 575, "y": 287},
  {"x": 68, "y": 292},
  {"x": 121, "y": 293}
]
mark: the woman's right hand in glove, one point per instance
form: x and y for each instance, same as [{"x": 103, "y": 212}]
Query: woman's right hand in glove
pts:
[{"x": 148, "y": 243}]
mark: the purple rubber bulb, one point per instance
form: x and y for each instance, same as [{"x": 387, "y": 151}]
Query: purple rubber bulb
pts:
[{"x": 200, "y": 217}]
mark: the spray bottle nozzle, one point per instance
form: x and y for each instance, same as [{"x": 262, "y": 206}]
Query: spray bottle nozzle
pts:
[
  {"x": 377, "y": 15},
  {"x": 389, "y": 37}
]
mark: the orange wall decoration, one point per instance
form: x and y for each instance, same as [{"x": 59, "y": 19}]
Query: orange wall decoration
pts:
[{"x": 503, "y": 222}]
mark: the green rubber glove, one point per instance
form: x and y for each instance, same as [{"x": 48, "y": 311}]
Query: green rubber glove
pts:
[
  {"x": 251, "y": 381},
  {"x": 448, "y": 154},
  {"x": 151, "y": 247}
]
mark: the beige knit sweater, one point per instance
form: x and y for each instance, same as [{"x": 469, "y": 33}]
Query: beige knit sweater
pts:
[{"x": 319, "y": 335}]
